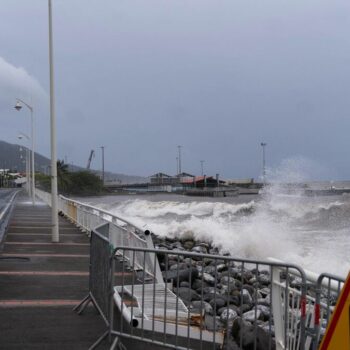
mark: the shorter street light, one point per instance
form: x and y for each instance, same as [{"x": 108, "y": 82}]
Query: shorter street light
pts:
[
  {"x": 27, "y": 161},
  {"x": 18, "y": 107}
]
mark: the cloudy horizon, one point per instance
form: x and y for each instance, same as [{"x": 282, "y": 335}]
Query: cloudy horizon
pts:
[{"x": 217, "y": 77}]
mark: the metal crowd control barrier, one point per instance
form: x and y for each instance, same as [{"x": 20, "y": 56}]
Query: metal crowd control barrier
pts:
[
  {"x": 99, "y": 285},
  {"x": 221, "y": 309},
  {"x": 328, "y": 289}
]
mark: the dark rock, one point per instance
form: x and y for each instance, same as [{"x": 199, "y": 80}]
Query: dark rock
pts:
[
  {"x": 200, "y": 249},
  {"x": 264, "y": 280},
  {"x": 252, "y": 315},
  {"x": 265, "y": 310},
  {"x": 177, "y": 245},
  {"x": 230, "y": 306},
  {"x": 249, "y": 288},
  {"x": 263, "y": 301},
  {"x": 269, "y": 329},
  {"x": 245, "y": 332},
  {"x": 197, "y": 285},
  {"x": 184, "y": 275},
  {"x": 264, "y": 339},
  {"x": 246, "y": 297},
  {"x": 185, "y": 284},
  {"x": 227, "y": 280},
  {"x": 187, "y": 294},
  {"x": 210, "y": 296},
  {"x": 210, "y": 290},
  {"x": 218, "y": 301},
  {"x": 228, "y": 315},
  {"x": 188, "y": 245},
  {"x": 230, "y": 344},
  {"x": 210, "y": 269},
  {"x": 209, "y": 278},
  {"x": 265, "y": 291},
  {"x": 198, "y": 305},
  {"x": 180, "y": 266},
  {"x": 233, "y": 299},
  {"x": 221, "y": 267},
  {"x": 216, "y": 262},
  {"x": 227, "y": 289},
  {"x": 243, "y": 308},
  {"x": 213, "y": 323}
]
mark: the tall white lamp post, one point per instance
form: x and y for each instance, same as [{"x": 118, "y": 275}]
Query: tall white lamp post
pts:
[
  {"x": 54, "y": 205},
  {"x": 263, "y": 145},
  {"x": 18, "y": 107}
]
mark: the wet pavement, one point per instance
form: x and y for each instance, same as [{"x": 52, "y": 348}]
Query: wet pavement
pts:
[{"x": 40, "y": 283}]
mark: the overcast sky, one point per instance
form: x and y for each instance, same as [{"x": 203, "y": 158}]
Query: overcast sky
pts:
[{"x": 215, "y": 76}]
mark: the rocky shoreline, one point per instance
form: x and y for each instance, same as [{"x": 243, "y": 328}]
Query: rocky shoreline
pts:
[{"x": 230, "y": 297}]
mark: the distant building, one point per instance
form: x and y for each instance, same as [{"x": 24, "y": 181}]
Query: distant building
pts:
[
  {"x": 249, "y": 182},
  {"x": 161, "y": 179},
  {"x": 201, "y": 182}
]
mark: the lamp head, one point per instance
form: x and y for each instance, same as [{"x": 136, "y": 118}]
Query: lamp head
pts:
[{"x": 18, "y": 106}]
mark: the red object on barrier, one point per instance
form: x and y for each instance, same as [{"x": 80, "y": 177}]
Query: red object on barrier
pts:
[{"x": 317, "y": 314}]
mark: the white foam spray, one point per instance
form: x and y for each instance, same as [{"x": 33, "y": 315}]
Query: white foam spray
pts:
[{"x": 282, "y": 223}]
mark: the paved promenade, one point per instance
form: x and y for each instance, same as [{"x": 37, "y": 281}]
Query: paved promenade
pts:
[{"x": 40, "y": 282}]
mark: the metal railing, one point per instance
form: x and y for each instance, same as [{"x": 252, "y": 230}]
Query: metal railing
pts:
[
  {"x": 328, "y": 289},
  {"x": 239, "y": 301},
  {"x": 120, "y": 231},
  {"x": 99, "y": 270},
  {"x": 5, "y": 215}
]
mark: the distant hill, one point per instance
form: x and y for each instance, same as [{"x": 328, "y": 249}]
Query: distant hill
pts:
[{"x": 12, "y": 156}]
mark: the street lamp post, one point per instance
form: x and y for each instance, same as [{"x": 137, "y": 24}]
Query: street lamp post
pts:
[
  {"x": 20, "y": 136},
  {"x": 202, "y": 162},
  {"x": 179, "y": 148},
  {"x": 103, "y": 164},
  {"x": 54, "y": 204},
  {"x": 18, "y": 107},
  {"x": 263, "y": 145}
]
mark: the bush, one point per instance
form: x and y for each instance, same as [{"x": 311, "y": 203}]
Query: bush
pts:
[
  {"x": 84, "y": 182},
  {"x": 78, "y": 183}
]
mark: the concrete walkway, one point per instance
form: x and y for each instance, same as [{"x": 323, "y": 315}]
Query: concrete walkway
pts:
[{"x": 40, "y": 282}]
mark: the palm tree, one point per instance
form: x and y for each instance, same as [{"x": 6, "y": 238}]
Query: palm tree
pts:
[{"x": 63, "y": 176}]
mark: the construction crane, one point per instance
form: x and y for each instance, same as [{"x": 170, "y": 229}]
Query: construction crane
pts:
[{"x": 92, "y": 153}]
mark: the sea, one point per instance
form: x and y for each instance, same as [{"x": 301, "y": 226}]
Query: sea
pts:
[{"x": 311, "y": 231}]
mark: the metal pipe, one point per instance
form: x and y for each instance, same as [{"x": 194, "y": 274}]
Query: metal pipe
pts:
[
  {"x": 263, "y": 145},
  {"x": 33, "y": 161},
  {"x": 179, "y": 149},
  {"x": 103, "y": 164},
  {"x": 54, "y": 216},
  {"x": 18, "y": 107},
  {"x": 202, "y": 171}
]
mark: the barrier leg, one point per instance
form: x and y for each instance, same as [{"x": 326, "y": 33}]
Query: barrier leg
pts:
[
  {"x": 80, "y": 307},
  {"x": 99, "y": 340}
]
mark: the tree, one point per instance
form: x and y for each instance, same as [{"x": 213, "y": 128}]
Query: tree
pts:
[
  {"x": 85, "y": 182},
  {"x": 63, "y": 176}
]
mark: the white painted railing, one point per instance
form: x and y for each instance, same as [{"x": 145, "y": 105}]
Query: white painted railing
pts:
[{"x": 121, "y": 232}]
